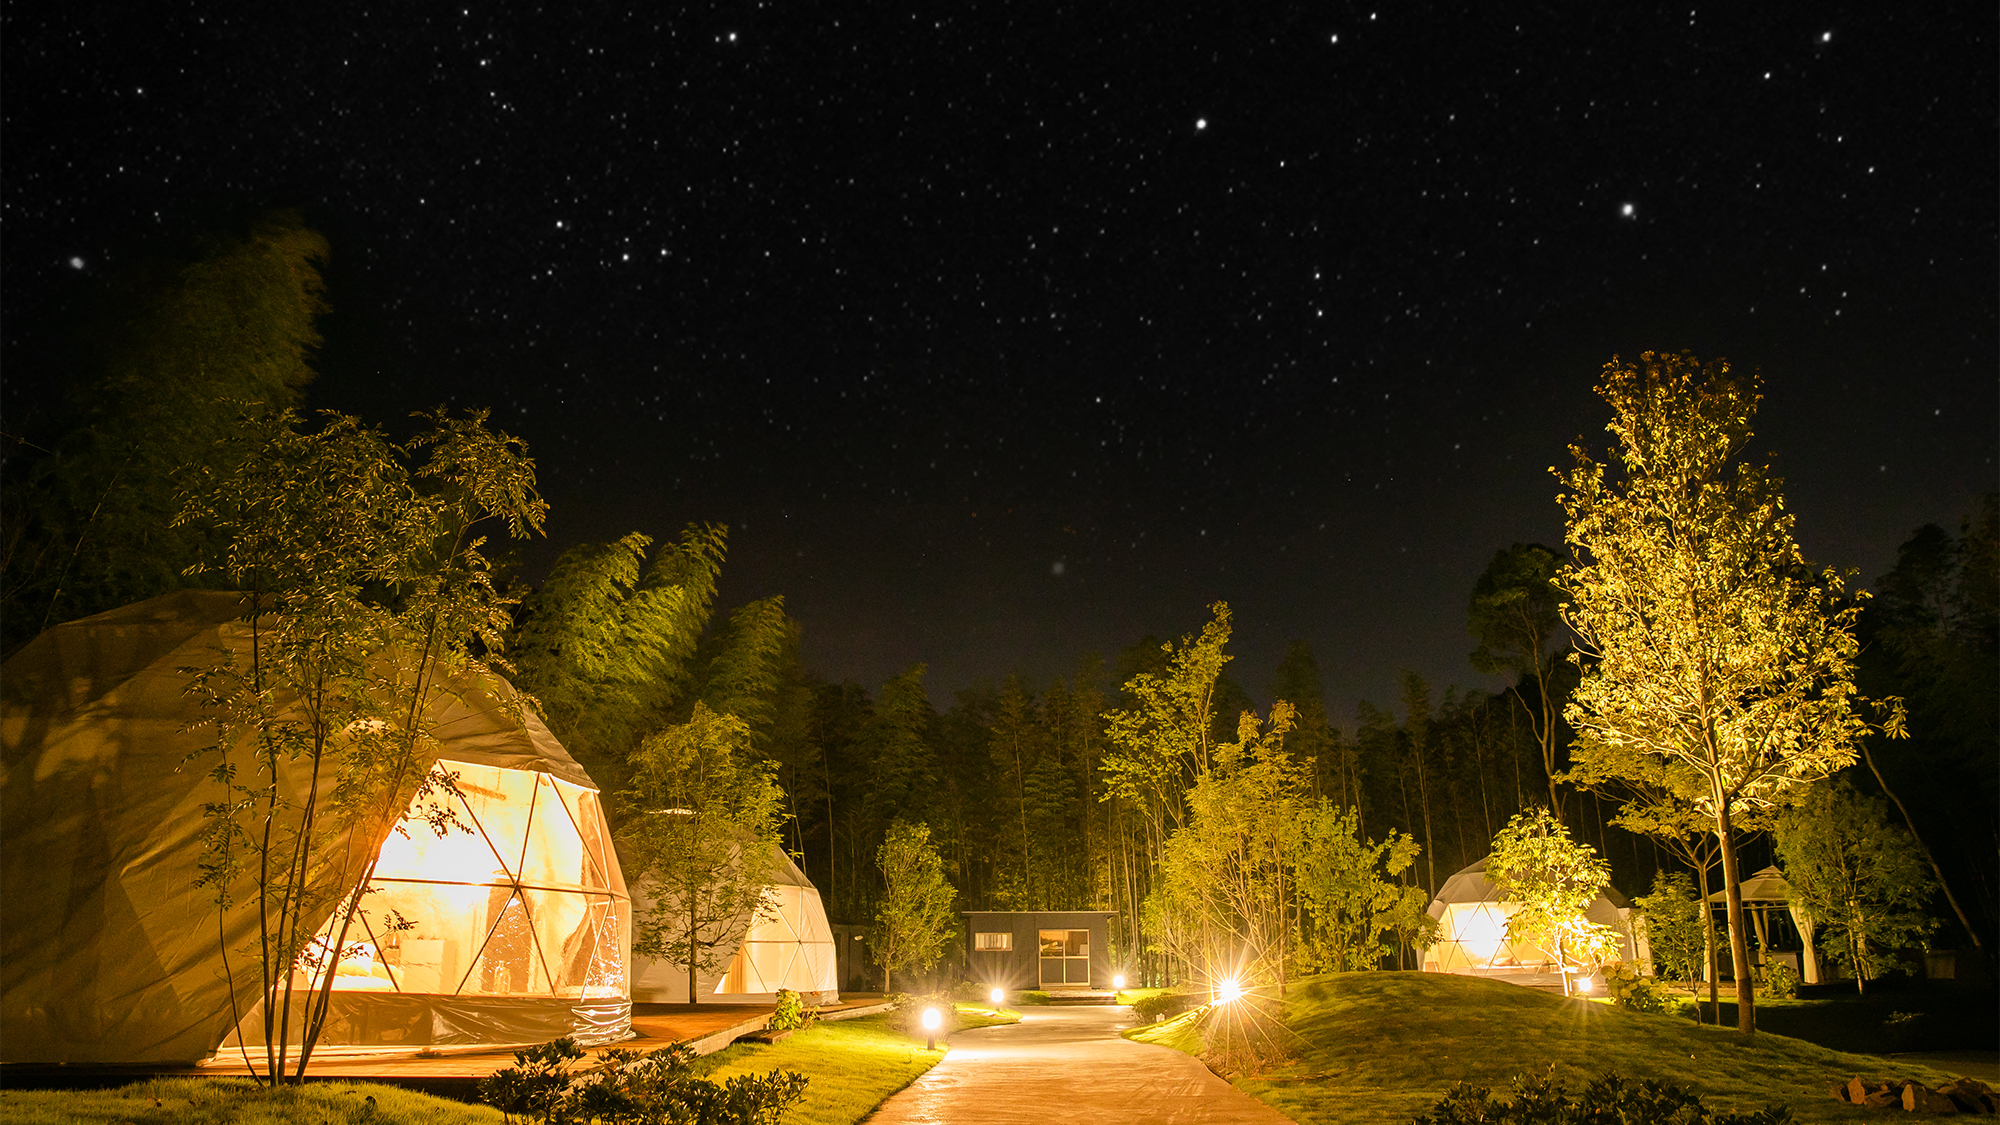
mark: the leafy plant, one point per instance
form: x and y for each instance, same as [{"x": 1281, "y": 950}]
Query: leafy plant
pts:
[
  {"x": 1780, "y": 982},
  {"x": 1608, "y": 1099},
  {"x": 1555, "y": 880},
  {"x": 792, "y": 1012},
  {"x": 635, "y": 1088},
  {"x": 1629, "y": 988},
  {"x": 1164, "y": 1005},
  {"x": 913, "y": 919}
]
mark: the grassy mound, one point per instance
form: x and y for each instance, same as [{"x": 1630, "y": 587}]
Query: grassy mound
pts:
[
  {"x": 1383, "y": 1047},
  {"x": 238, "y": 1101}
]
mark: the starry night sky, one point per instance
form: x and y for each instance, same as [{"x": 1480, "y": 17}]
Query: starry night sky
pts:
[{"x": 1000, "y": 333}]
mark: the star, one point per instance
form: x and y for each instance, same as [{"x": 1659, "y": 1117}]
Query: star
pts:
[
  {"x": 1628, "y": 210},
  {"x": 1200, "y": 123},
  {"x": 76, "y": 263}
]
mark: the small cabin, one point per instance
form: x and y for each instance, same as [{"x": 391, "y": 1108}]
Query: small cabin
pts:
[{"x": 1051, "y": 950}]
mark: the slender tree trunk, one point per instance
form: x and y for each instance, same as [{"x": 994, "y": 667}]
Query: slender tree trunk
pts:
[
  {"x": 1708, "y": 947},
  {"x": 1739, "y": 942},
  {"x": 694, "y": 996},
  {"x": 1922, "y": 847}
]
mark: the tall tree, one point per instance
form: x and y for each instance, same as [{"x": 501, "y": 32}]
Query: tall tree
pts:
[
  {"x": 1515, "y": 616},
  {"x": 606, "y": 644},
  {"x": 913, "y": 921},
  {"x": 702, "y": 832},
  {"x": 1860, "y": 878},
  {"x": 1554, "y": 879},
  {"x": 188, "y": 355},
  {"x": 367, "y": 589},
  {"x": 1709, "y": 654}
]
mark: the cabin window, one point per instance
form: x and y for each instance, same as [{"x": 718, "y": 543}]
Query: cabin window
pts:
[{"x": 992, "y": 942}]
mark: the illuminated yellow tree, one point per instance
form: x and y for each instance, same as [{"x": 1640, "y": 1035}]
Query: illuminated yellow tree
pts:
[{"x": 1713, "y": 661}]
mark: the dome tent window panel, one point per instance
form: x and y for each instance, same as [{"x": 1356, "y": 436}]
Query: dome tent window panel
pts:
[{"x": 506, "y": 896}]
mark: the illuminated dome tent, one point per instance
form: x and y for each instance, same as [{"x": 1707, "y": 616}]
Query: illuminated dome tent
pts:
[
  {"x": 789, "y": 945},
  {"x": 515, "y": 924},
  {"x": 1472, "y": 930}
]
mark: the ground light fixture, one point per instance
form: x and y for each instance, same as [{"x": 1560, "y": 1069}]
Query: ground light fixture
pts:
[
  {"x": 997, "y": 996},
  {"x": 1228, "y": 989},
  {"x": 1118, "y": 982},
  {"x": 1585, "y": 984},
  {"x": 931, "y": 1020}
]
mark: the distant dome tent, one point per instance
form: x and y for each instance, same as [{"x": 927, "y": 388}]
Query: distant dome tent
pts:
[
  {"x": 1472, "y": 930},
  {"x": 519, "y": 921},
  {"x": 788, "y": 945}
]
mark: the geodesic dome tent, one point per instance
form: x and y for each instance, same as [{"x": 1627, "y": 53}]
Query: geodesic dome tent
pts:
[
  {"x": 1472, "y": 929},
  {"x": 788, "y": 945},
  {"x": 518, "y": 921}
]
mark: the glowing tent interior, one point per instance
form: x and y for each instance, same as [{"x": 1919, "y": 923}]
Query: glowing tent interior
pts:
[
  {"x": 1472, "y": 929},
  {"x": 510, "y": 926},
  {"x": 788, "y": 945}
]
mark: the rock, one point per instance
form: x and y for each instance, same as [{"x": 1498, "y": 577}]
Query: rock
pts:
[
  {"x": 1857, "y": 1091},
  {"x": 1919, "y": 1098},
  {"x": 1838, "y": 1091},
  {"x": 1883, "y": 1099}
]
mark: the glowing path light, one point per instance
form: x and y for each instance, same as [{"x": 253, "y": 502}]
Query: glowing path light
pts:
[
  {"x": 1227, "y": 990},
  {"x": 1585, "y": 984},
  {"x": 1118, "y": 982},
  {"x": 997, "y": 996},
  {"x": 931, "y": 1020}
]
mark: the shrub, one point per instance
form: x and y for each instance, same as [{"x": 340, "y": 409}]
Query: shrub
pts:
[
  {"x": 1630, "y": 989},
  {"x": 1542, "y": 1101},
  {"x": 792, "y": 1012},
  {"x": 1780, "y": 982},
  {"x": 1165, "y": 1005},
  {"x": 1903, "y": 1031},
  {"x": 633, "y": 1086}
]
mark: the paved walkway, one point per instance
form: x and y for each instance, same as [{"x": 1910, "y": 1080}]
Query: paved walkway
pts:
[{"x": 1068, "y": 1064}]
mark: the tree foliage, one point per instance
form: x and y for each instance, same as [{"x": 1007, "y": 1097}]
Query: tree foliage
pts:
[
  {"x": 1673, "y": 917},
  {"x": 1516, "y": 616},
  {"x": 186, "y": 354},
  {"x": 1858, "y": 876},
  {"x": 367, "y": 588},
  {"x": 913, "y": 920},
  {"x": 1554, "y": 879},
  {"x": 701, "y": 836},
  {"x": 1348, "y": 893},
  {"x": 1711, "y": 657}
]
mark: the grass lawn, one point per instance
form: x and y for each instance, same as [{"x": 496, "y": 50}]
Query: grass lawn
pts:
[
  {"x": 1383, "y": 1047},
  {"x": 1947, "y": 1018},
  {"x": 237, "y": 1101},
  {"x": 852, "y": 1065},
  {"x": 1129, "y": 996}
]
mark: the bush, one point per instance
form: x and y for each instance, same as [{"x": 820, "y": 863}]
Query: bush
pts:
[
  {"x": 1165, "y": 1005},
  {"x": 1542, "y": 1101},
  {"x": 1903, "y": 1031},
  {"x": 793, "y": 1012},
  {"x": 1780, "y": 982},
  {"x": 1630, "y": 989},
  {"x": 657, "y": 1086}
]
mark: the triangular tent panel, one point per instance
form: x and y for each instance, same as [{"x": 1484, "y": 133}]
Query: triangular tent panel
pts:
[
  {"x": 1472, "y": 929},
  {"x": 789, "y": 946},
  {"x": 511, "y": 927}
]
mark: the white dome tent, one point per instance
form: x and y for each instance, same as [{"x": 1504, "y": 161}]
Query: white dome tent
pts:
[
  {"x": 788, "y": 945},
  {"x": 1472, "y": 931},
  {"x": 518, "y": 919}
]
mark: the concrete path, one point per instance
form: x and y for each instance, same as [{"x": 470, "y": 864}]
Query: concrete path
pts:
[{"x": 1068, "y": 1064}]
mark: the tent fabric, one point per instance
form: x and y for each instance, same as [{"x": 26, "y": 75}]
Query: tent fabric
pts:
[
  {"x": 1472, "y": 928},
  {"x": 790, "y": 945},
  {"x": 1768, "y": 888},
  {"x": 108, "y": 951}
]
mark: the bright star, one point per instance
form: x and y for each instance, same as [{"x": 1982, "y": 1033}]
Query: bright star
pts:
[
  {"x": 76, "y": 263},
  {"x": 1201, "y": 123},
  {"x": 1628, "y": 210},
  {"x": 1826, "y": 36}
]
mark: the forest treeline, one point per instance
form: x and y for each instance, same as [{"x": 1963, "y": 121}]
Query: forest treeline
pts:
[{"x": 1056, "y": 794}]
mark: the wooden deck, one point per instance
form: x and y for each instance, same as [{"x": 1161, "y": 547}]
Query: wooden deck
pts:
[{"x": 447, "y": 1073}]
